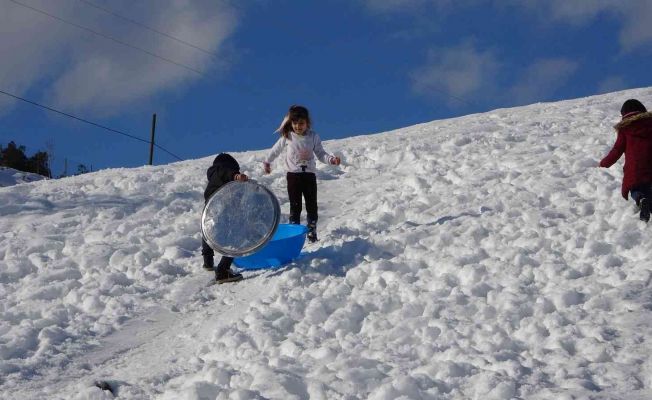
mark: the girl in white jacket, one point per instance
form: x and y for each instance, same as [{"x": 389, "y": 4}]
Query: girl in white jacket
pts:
[{"x": 302, "y": 144}]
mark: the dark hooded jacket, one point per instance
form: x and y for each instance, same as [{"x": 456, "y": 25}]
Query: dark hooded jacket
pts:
[
  {"x": 223, "y": 170},
  {"x": 635, "y": 140}
]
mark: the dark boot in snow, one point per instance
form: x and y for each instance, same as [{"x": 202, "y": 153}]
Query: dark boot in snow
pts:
[
  {"x": 645, "y": 209},
  {"x": 312, "y": 232},
  {"x": 223, "y": 272},
  {"x": 209, "y": 263},
  {"x": 227, "y": 275}
]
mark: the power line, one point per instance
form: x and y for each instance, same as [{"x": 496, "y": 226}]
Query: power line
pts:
[
  {"x": 88, "y": 122},
  {"x": 108, "y": 37},
  {"x": 106, "y": 10}
]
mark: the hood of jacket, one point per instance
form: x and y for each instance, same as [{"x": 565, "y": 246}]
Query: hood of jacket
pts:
[
  {"x": 644, "y": 116},
  {"x": 227, "y": 161}
]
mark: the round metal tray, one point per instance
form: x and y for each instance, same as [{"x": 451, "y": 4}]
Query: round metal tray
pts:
[{"x": 240, "y": 218}]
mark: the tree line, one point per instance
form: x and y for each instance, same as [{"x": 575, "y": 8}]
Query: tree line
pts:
[{"x": 14, "y": 156}]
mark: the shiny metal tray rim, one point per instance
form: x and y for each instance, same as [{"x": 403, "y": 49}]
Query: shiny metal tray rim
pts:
[{"x": 266, "y": 238}]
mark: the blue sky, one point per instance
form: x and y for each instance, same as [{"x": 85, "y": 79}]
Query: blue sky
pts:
[{"x": 360, "y": 67}]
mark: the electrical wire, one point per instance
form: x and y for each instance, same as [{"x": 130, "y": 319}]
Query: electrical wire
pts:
[
  {"x": 108, "y": 37},
  {"x": 89, "y": 122},
  {"x": 106, "y": 10}
]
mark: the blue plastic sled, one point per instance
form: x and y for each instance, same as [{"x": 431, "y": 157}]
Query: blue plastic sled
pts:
[{"x": 284, "y": 247}]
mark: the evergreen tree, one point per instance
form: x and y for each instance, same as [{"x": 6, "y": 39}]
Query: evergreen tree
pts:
[
  {"x": 14, "y": 157},
  {"x": 39, "y": 164},
  {"x": 82, "y": 169}
]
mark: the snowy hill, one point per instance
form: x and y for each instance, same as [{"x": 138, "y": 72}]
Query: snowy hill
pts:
[
  {"x": 11, "y": 177},
  {"x": 482, "y": 257}
]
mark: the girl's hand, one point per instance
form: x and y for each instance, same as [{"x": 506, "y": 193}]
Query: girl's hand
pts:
[
  {"x": 241, "y": 177},
  {"x": 335, "y": 160},
  {"x": 267, "y": 167}
]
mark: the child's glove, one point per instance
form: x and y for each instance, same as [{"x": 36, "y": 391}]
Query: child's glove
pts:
[
  {"x": 335, "y": 161},
  {"x": 240, "y": 177},
  {"x": 267, "y": 167}
]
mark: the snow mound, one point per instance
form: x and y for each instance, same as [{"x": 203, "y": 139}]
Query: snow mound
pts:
[
  {"x": 477, "y": 257},
  {"x": 11, "y": 177}
]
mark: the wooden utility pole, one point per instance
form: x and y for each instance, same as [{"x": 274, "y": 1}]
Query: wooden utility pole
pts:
[{"x": 151, "y": 143}]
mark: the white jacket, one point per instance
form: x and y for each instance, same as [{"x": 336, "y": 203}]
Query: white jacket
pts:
[{"x": 301, "y": 151}]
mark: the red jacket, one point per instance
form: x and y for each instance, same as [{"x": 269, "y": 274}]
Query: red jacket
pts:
[{"x": 635, "y": 140}]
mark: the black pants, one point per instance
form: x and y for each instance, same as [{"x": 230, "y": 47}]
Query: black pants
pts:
[
  {"x": 641, "y": 191},
  {"x": 302, "y": 184},
  {"x": 207, "y": 251}
]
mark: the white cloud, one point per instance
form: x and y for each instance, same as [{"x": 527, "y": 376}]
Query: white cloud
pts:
[
  {"x": 388, "y": 6},
  {"x": 541, "y": 79},
  {"x": 612, "y": 84},
  {"x": 385, "y": 6},
  {"x": 79, "y": 71},
  {"x": 637, "y": 31},
  {"x": 634, "y": 15},
  {"x": 577, "y": 11},
  {"x": 457, "y": 73},
  {"x": 465, "y": 75}
]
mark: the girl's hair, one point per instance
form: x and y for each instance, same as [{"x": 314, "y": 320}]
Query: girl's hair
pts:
[{"x": 294, "y": 114}]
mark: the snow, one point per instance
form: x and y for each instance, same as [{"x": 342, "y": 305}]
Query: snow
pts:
[
  {"x": 481, "y": 257},
  {"x": 10, "y": 177}
]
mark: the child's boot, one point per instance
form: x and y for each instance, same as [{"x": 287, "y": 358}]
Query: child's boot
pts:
[
  {"x": 645, "y": 209},
  {"x": 312, "y": 231},
  {"x": 209, "y": 263},
  {"x": 223, "y": 272},
  {"x": 227, "y": 275}
]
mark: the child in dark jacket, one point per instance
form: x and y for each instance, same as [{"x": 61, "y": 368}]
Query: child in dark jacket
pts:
[
  {"x": 635, "y": 141},
  {"x": 224, "y": 169}
]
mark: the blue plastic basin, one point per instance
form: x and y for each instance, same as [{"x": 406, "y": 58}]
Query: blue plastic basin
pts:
[{"x": 285, "y": 246}]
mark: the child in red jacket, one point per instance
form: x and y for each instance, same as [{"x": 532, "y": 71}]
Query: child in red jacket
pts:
[{"x": 635, "y": 140}]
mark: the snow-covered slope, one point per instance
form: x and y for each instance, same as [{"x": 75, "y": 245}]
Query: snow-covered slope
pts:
[
  {"x": 10, "y": 177},
  {"x": 482, "y": 257}
]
